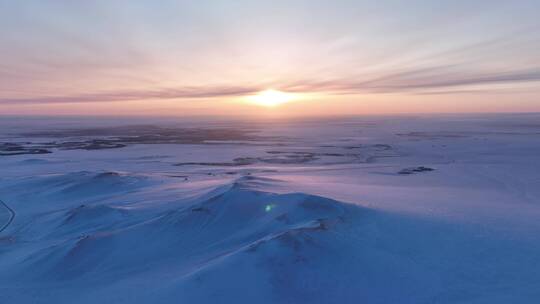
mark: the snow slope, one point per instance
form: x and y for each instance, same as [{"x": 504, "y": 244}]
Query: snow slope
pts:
[{"x": 130, "y": 226}]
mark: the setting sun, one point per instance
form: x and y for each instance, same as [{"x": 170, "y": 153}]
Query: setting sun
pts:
[{"x": 271, "y": 98}]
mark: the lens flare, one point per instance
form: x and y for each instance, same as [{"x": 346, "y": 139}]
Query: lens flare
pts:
[{"x": 269, "y": 207}]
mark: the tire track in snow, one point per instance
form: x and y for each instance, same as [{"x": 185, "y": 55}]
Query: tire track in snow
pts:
[{"x": 11, "y": 216}]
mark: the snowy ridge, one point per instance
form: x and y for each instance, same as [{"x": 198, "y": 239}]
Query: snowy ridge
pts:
[{"x": 106, "y": 241}]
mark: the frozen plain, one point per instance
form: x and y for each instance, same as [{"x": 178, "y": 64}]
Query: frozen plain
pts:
[{"x": 405, "y": 209}]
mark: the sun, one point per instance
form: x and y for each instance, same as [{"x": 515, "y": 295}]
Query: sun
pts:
[{"x": 271, "y": 98}]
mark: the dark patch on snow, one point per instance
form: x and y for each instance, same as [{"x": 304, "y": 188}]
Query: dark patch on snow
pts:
[
  {"x": 201, "y": 209},
  {"x": 8, "y": 149},
  {"x": 414, "y": 170},
  {"x": 119, "y": 137}
]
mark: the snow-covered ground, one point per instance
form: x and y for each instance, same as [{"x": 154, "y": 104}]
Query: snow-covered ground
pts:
[{"x": 409, "y": 209}]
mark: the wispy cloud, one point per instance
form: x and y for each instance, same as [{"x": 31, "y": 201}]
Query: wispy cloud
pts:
[
  {"x": 179, "y": 93},
  {"x": 420, "y": 81}
]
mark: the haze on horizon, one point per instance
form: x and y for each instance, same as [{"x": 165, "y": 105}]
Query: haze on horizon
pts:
[{"x": 207, "y": 57}]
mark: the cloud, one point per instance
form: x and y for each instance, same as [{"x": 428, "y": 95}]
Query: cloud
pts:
[
  {"x": 419, "y": 81},
  {"x": 180, "y": 93},
  {"x": 443, "y": 79}
]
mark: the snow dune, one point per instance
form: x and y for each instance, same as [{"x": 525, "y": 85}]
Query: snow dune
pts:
[{"x": 238, "y": 243}]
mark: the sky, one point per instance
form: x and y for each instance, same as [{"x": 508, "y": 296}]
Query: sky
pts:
[{"x": 181, "y": 58}]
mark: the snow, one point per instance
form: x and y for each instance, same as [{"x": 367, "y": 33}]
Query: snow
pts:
[{"x": 320, "y": 214}]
